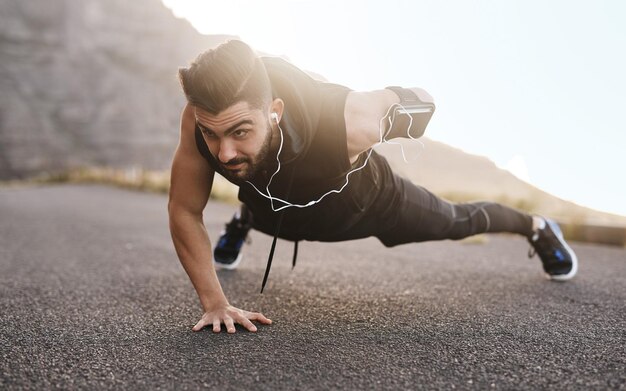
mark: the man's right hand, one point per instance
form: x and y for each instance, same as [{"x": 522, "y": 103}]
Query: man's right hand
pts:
[{"x": 229, "y": 315}]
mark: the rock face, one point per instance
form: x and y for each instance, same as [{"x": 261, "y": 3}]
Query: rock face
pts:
[
  {"x": 94, "y": 83},
  {"x": 91, "y": 82},
  {"x": 455, "y": 174}
]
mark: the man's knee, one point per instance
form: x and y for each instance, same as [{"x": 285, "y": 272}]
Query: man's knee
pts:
[
  {"x": 454, "y": 222},
  {"x": 469, "y": 219}
]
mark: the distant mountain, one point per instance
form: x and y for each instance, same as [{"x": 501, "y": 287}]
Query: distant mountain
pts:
[
  {"x": 461, "y": 176},
  {"x": 91, "y": 82},
  {"x": 94, "y": 83}
]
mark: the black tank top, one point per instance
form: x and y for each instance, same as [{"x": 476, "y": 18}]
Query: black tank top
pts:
[{"x": 315, "y": 153}]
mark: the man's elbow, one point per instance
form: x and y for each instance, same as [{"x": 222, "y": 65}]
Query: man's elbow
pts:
[
  {"x": 170, "y": 203},
  {"x": 363, "y": 114},
  {"x": 171, "y": 207},
  {"x": 176, "y": 210}
]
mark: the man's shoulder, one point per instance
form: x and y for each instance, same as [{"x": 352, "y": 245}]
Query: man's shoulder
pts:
[
  {"x": 280, "y": 70},
  {"x": 287, "y": 77},
  {"x": 276, "y": 63},
  {"x": 278, "y": 66}
]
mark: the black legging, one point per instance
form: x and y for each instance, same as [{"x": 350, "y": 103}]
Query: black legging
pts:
[
  {"x": 401, "y": 212},
  {"x": 425, "y": 217}
]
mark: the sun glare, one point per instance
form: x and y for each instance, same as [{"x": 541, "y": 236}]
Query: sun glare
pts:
[
  {"x": 485, "y": 68},
  {"x": 299, "y": 30},
  {"x": 517, "y": 166},
  {"x": 260, "y": 23}
]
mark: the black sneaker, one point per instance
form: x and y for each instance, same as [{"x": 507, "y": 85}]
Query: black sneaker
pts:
[
  {"x": 227, "y": 253},
  {"x": 559, "y": 260}
]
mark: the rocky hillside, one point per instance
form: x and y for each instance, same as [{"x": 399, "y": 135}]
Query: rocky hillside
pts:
[
  {"x": 90, "y": 82},
  {"x": 93, "y": 83},
  {"x": 461, "y": 176}
]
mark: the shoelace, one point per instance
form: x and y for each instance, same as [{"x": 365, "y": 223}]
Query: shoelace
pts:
[
  {"x": 234, "y": 231},
  {"x": 276, "y": 232},
  {"x": 532, "y": 251},
  {"x": 546, "y": 244}
]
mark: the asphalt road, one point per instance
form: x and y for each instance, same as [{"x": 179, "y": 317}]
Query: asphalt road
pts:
[{"x": 92, "y": 296}]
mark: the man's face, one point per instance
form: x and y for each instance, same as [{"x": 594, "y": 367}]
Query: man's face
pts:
[{"x": 239, "y": 138}]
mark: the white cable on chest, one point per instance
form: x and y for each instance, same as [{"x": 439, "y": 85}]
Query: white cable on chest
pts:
[{"x": 286, "y": 204}]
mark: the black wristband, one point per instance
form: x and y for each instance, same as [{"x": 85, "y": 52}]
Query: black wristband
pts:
[
  {"x": 410, "y": 117},
  {"x": 406, "y": 96}
]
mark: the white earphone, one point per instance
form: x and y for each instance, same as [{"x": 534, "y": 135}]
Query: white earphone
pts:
[{"x": 287, "y": 204}]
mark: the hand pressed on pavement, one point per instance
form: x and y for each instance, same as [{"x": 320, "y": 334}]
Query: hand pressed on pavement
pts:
[{"x": 229, "y": 315}]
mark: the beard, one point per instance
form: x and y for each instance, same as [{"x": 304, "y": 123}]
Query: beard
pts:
[{"x": 252, "y": 165}]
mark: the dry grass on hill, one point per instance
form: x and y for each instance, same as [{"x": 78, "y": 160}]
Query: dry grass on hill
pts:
[{"x": 577, "y": 228}]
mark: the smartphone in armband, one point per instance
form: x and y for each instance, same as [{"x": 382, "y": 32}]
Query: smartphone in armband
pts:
[{"x": 410, "y": 117}]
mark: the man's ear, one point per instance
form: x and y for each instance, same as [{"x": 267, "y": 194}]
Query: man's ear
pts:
[{"x": 277, "y": 107}]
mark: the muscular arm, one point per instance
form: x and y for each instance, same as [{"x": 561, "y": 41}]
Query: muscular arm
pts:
[
  {"x": 191, "y": 181},
  {"x": 363, "y": 112}
]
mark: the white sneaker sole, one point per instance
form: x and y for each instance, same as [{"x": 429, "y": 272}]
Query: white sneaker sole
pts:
[
  {"x": 572, "y": 273},
  {"x": 229, "y": 266}
]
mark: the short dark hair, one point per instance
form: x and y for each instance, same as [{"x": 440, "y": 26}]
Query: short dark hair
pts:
[{"x": 228, "y": 74}]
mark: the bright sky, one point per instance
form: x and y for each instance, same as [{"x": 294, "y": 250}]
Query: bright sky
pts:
[{"x": 538, "y": 86}]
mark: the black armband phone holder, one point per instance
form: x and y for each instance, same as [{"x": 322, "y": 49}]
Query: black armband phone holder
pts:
[{"x": 410, "y": 111}]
